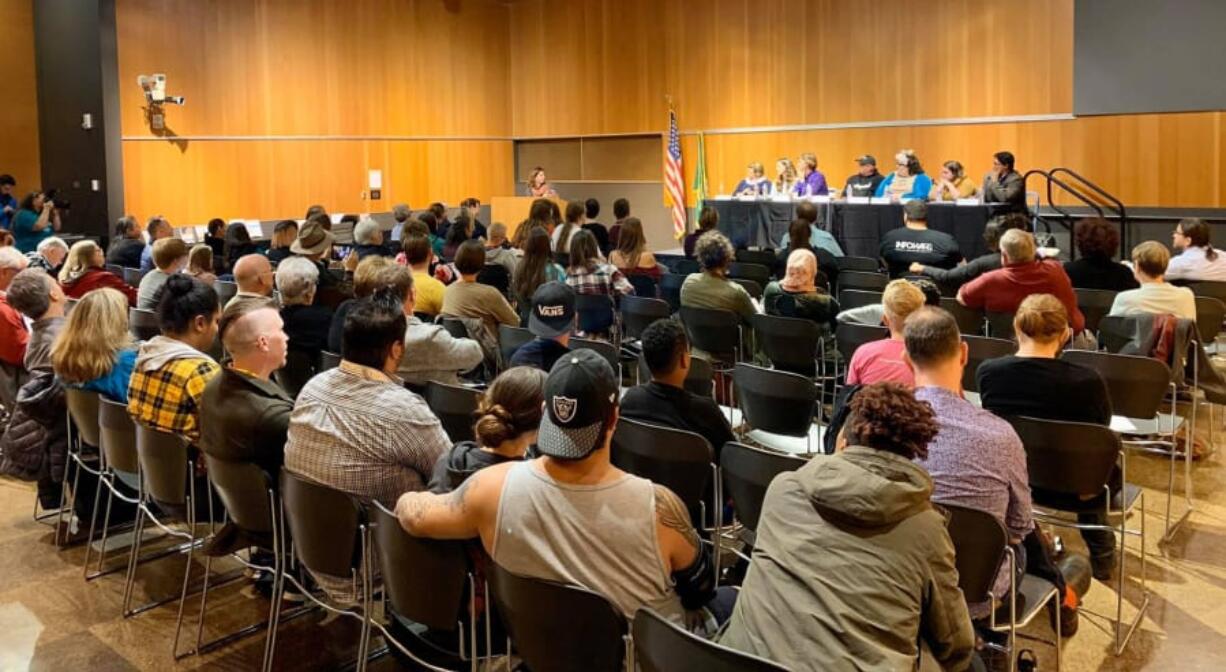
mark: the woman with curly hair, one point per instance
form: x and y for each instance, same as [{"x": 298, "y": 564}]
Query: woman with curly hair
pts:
[
  {"x": 1095, "y": 267},
  {"x": 868, "y": 509}
]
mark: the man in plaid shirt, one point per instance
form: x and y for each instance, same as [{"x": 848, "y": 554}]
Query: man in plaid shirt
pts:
[{"x": 171, "y": 369}]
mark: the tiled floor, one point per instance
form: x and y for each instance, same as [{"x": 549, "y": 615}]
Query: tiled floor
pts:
[{"x": 51, "y": 619}]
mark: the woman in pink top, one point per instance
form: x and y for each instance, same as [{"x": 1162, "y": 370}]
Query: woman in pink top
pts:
[{"x": 882, "y": 361}]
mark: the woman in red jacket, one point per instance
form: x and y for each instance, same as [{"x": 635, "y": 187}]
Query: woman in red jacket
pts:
[{"x": 84, "y": 271}]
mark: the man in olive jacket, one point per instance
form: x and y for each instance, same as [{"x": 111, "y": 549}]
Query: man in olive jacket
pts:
[
  {"x": 244, "y": 415},
  {"x": 853, "y": 567}
]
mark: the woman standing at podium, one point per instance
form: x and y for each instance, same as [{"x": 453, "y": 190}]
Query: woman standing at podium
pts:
[
  {"x": 754, "y": 184},
  {"x": 786, "y": 181},
  {"x": 953, "y": 184},
  {"x": 908, "y": 179},
  {"x": 538, "y": 184}
]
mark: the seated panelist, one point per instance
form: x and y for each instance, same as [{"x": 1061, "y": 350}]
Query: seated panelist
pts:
[{"x": 754, "y": 184}]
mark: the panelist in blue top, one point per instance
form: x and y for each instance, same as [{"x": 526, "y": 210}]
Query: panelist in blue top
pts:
[
  {"x": 908, "y": 179},
  {"x": 754, "y": 183}
]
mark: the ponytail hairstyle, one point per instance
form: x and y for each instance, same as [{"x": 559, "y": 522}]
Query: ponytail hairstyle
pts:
[
  {"x": 512, "y": 406},
  {"x": 1196, "y": 230}
]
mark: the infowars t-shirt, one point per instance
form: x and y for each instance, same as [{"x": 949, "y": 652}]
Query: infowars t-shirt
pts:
[{"x": 902, "y": 247}]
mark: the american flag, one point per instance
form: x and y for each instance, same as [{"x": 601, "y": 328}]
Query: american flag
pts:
[{"x": 674, "y": 180}]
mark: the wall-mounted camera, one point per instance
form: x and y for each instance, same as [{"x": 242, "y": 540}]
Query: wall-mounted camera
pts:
[{"x": 154, "y": 88}]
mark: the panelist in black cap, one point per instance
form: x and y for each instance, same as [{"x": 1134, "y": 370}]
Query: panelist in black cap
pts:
[
  {"x": 572, "y": 517},
  {"x": 552, "y": 320},
  {"x": 864, "y": 183}
]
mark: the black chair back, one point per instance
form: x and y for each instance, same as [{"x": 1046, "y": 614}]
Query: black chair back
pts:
[
  {"x": 424, "y": 578},
  {"x": 644, "y": 285},
  {"x": 686, "y": 266},
  {"x": 751, "y": 287},
  {"x": 243, "y": 489},
  {"x": 857, "y": 264},
  {"x": 775, "y": 401},
  {"x": 790, "y": 343},
  {"x": 1000, "y": 325},
  {"x": 1094, "y": 305},
  {"x": 759, "y": 273},
  {"x": 225, "y": 291},
  {"x": 511, "y": 339},
  {"x": 496, "y": 276},
  {"x": 970, "y": 321},
  {"x": 979, "y": 350},
  {"x": 562, "y": 259},
  {"x": 858, "y": 298},
  {"x": 1209, "y": 315},
  {"x": 115, "y": 270},
  {"x": 1067, "y": 461},
  {"x": 676, "y": 459},
  {"x": 661, "y": 646},
  {"x": 143, "y": 324},
  {"x": 670, "y": 289},
  {"x": 849, "y": 337},
  {"x": 1215, "y": 289},
  {"x": 299, "y": 368},
  {"x": 639, "y": 312},
  {"x": 602, "y": 348},
  {"x": 979, "y": 547},
  {"x": 595, "y": 313},
  {"x": 747, "y": 472},
  {"x": 83, "y": 408},
  {"x": 1136, "y": 385},
  {"x": 717, "y": 332},
  {"x": 454, "y": 326},
  {"x": 163, "y": 466},
  {"x": 871, "y": 281},
  {"x": 700, "y": 380},
  {"x": 764, "y": 258},
  {"x": 323, "y": 524},
  {"x": 589, "y": 637},
  {"x": 132, "y": 276},
  {"x": 117, "y": 434},
  {"x": 328, "y": 360},
  {"x": 454, "y": 405}
]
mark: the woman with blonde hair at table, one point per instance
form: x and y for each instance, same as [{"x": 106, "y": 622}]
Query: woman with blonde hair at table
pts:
[{"x": 786, "y": 182}]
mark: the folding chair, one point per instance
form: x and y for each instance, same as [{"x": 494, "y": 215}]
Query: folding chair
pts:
[
  {"x": 1000, "y": 325},
  {"x": 1094, "y": 305},
  {"x": 143, "y": 324},
  {"x": 858, "y": 264},
  {"x": 225, "y": 291},
  {"x": 670, "y": 289},
  {"x": 871, "y": 281},
  {"x": 661, "y": 646},
  {"x": 700, "y": 380},
  {"x": 638, "y": 312},
  {"x": 970, "y": 321},
  {"x": 758, "y": 273},
  {"x": 779, "y": 407},
  {"x": 764, "y": 258},
  {"x": 747, "y": 471},
  {"x": 454, "y": 405},
  {"x": 511, "y": 339},
  {"x": 858, "y": 298}
]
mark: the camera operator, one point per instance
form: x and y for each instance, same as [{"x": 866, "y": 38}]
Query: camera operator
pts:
[
  {"x": 36, "y": 219},
  {"x": 8, "y": 203}
]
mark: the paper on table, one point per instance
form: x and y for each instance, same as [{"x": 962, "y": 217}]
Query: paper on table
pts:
[
  {"x": 967, "y": 201},
  {"x": 880, "y": 200},
  {"x": 781, "y": 198},
  {"x": 858, "y": 199},
  {"x": 201, "y": 231},
  {"x": 253, "y": 228},
  {"x": 820, "y": 199},
  {"x": 187, "y": 234},
  {"x": 724, "y": 197}
]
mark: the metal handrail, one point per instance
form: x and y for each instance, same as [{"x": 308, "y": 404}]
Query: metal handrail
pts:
[{"x": 1113, "y": 203}]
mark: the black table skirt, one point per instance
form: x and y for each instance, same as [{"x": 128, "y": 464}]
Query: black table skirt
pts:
[{"x": 758, "y": 223}]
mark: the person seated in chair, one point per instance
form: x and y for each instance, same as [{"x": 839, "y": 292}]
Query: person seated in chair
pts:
[
  {"x": 40, "y": 299},
  {"x": 711, "y": 288},
  {"x": 468, "y": 298},
  {"x": 1037, "y": 383},
  {"x": 13, "y": 331},
  {"x": 1021, "y": 274},
  {"x": 976, "y": 460},
  {"x": 664, "y": 400},
  {"x": 158, "y": 228},
  {"x": 431, "y": 353},
  {"x": 572, "y": 517},
  {"x": 915, "y": 243},
  {"x": 169, "y": 257},
  {"x": 867, "y": 509},
  {"x": 306, "y": 323},
  {"x": 244, "y": 415},
  {"x": 127, "y": 245},
  {"x": 255, "y": 278},
  {"x": 800, "y": 295},
  {"x": 1156, "y": 295},
  {"x": 552, "y": 321},
  {"x": 882, "y": 361},
  {"x": 1095, "y": 267},
  {"x": 172, "y": 368},
  {"x": 953, "y": 278},
  {"x": 497, "y": 251}
]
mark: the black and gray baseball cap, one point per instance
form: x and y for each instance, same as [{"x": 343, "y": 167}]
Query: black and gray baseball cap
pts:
[
  {"x": 580, "y": 393},
  {"x": 553, "y": 310},
  {"x": 867, "y": 160}
]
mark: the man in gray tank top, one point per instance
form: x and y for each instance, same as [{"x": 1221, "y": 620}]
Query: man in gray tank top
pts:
[{"x": 571, "y": 516}]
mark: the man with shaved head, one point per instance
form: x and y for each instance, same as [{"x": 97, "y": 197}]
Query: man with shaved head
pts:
[
  {"x": 244, "y": 415},
  {"x": 254, "y": 277}
]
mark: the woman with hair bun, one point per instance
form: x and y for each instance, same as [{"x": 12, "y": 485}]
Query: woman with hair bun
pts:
[{"x": 507, "y": 420}]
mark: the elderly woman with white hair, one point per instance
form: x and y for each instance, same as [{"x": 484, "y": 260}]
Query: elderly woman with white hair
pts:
[
  {"x": 368, "y": 241},
  {"x": 49, "y": 255},
  {"x": 306, "y": 324}
]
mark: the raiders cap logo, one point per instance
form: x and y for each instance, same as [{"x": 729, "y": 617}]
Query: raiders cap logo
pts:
[{"x": 564, "y": 408}]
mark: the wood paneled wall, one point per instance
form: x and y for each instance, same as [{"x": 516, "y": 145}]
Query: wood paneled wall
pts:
[
  {"x": 19, "y": 106},
  {"x": 605, "y": 66},
  {"x": 1170, "y": 160},
  {"x": 416, "y": 88}
]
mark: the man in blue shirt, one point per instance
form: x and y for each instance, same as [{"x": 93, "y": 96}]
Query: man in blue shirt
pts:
[
  {"x": 552, "y": 320},
  {"x": 158, "y": 228},
  {"x": 818, "y": 237},
  {"x": 8, "y": 203}
]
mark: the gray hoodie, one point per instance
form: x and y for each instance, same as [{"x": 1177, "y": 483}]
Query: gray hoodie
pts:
[
  {"x": 853, "y": 566},
  {"x": 160, "y": 350}
]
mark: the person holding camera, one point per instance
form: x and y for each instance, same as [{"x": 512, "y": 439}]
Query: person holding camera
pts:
[
  {"x": 8, "y": 203},
  {"x": 35, "y": 220}
]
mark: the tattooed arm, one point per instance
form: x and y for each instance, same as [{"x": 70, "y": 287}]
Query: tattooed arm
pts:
[
  {"x": 464, "y": 513},
  {"x": 688, "y": 560}
]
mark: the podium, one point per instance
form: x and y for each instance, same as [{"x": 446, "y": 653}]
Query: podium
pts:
[{"x": 513, "y": 210}]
